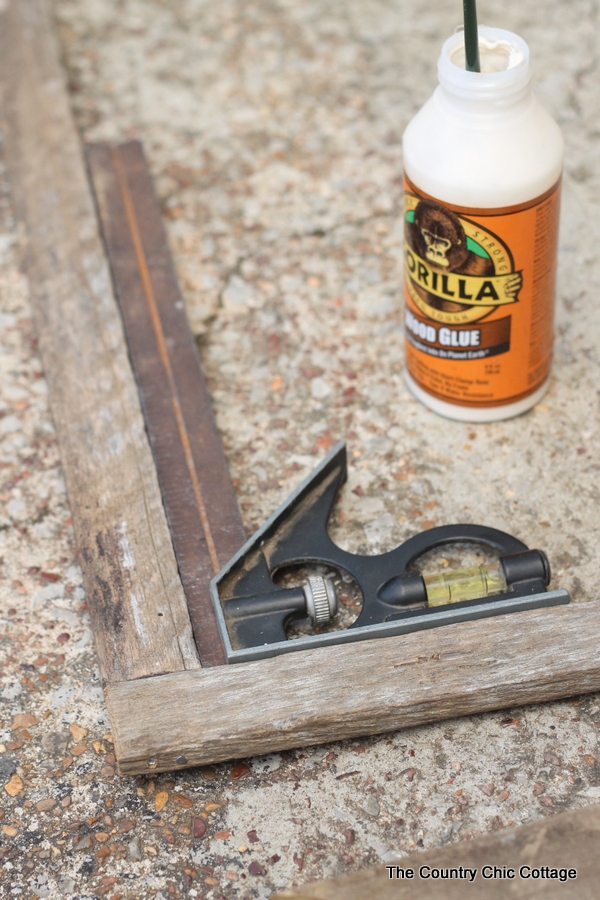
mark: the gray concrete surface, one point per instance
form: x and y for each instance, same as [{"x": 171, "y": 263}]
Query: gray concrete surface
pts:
[{"x": 273, "y": 130}]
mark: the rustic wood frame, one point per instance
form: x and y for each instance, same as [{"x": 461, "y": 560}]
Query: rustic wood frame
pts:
[{"x": 166, "y": 711}]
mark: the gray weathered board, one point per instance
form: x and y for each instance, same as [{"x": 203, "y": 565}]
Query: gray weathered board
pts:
[
  {"x": 166, "y": 711},
  {"x": 566, "y": 841},
  {"x": 138, "y": 608}
]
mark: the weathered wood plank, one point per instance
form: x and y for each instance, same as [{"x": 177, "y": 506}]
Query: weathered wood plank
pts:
[
  {"x": 205, "y": 522},
  {"x": 136, "y": 600},
  {"x": 193, "y": 718},
  {"x": 567, "y": 841}
]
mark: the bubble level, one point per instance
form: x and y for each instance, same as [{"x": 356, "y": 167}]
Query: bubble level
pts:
[{"x": 464, "y": 584}]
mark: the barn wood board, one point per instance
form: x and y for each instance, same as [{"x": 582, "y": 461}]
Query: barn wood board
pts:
[
  {"x": 135, "y": 596},
  {"x": 204, "y": 518},
  {"x": 149, "y": 661},
  {"x": 369, "y": 687},
  {"x": 569, "y": 841}
]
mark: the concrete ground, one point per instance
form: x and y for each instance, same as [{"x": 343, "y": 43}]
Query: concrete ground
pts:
[{"x": 273, "y": 131}]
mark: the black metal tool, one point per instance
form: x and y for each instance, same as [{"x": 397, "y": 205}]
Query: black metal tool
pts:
[{"x": 253, "y": 611}]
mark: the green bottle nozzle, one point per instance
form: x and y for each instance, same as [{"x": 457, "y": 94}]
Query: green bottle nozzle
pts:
[{"x": 472, "y": 63}]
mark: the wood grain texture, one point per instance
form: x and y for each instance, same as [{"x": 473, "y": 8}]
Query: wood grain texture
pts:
[
  {"x": 566, "y": 841},
  {"x": 204, "y": 519},
  {"x": 136, "y": 600},
  {"x": 193, "y": 718}
]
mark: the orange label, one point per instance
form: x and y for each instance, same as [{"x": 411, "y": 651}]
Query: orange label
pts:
[{"x": 479, "y": 287}]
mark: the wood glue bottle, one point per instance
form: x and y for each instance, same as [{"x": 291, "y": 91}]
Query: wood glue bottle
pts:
[{"x": 482, "y": 163}]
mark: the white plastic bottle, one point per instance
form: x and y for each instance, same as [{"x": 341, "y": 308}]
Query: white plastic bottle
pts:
[{"x": 482, "y": 163}]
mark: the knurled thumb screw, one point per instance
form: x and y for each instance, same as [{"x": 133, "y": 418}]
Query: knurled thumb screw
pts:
[{"x": 321, "y": 599}]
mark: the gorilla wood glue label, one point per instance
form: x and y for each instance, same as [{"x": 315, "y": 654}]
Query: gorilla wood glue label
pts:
[
  {"x": 479, "y": 292},
  {"x": 482, "y": 165}
]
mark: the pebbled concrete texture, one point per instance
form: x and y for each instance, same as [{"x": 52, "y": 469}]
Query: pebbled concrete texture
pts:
[{"x": 273, "y": 132}]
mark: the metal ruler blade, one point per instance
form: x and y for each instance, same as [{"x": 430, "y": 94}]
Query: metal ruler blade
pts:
[{"x": 199, "y": 499}]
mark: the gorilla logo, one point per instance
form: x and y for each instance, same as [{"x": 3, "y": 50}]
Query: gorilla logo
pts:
[
  {"x": 437, "y": 235},
  {"x": 440, "y": 238}
]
